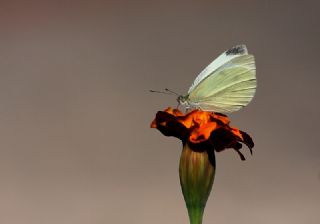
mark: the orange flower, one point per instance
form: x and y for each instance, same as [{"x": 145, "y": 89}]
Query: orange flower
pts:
[
  {"x": 202, "y": 130},
  {"x": 201, "y": 133}
]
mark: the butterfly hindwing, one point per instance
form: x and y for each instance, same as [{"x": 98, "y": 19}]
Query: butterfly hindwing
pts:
[{"x": 227, "y": 88}]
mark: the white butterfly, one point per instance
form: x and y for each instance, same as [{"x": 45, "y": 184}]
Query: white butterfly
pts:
[{"x": 226, "y": 85}]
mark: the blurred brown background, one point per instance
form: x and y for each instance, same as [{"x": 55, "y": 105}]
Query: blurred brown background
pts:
[{"x": 75, "y": 142}]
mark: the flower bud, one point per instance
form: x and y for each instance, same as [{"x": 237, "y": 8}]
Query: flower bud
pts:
[{"x": 196, "y": 173}]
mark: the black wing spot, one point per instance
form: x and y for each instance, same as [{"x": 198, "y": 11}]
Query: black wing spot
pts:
[{"x": 240, "y": 49}]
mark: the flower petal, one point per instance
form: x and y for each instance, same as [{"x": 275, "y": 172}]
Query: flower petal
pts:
[
  {"x": 202, "y": 133},
  {"x": 247, "y": 140},
  {"x": 202, "y": 130},
  {"x": 168, "y": 125}
]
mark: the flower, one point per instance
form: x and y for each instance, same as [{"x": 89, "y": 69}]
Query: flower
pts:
[
  {"x": 201, "y": 134},
  {"x": 202, "y": 130}
]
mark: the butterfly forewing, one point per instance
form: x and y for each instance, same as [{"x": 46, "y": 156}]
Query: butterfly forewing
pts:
[{"x": 224, "y": 58}]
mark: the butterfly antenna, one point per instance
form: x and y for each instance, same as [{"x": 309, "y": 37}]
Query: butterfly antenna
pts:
[
  {"x": 170, "y": 91},
  {"x": 156, "y": 91}
]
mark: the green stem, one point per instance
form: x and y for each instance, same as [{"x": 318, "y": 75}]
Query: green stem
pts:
[{"x": 195, "y": 214}]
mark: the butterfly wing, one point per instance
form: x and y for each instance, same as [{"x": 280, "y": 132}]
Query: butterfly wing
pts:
[
  {"x": 224, "y": 58},
  {"x": 225, "y": 86}
]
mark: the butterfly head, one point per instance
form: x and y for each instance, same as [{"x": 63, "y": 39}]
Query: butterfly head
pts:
[{"x": 183, "y": 100}]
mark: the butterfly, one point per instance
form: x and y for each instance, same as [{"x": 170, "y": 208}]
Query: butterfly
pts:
[{"x": 226, "y": 85}]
